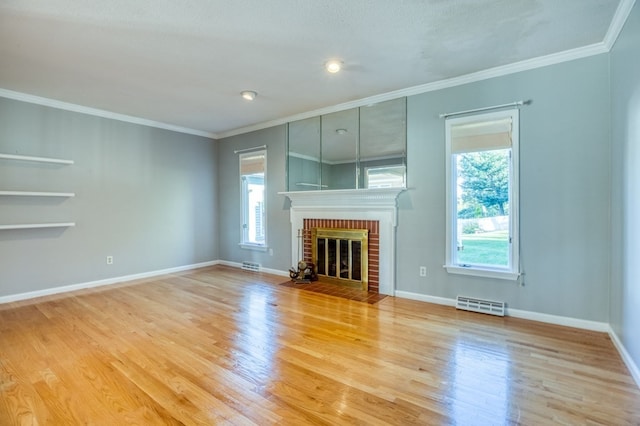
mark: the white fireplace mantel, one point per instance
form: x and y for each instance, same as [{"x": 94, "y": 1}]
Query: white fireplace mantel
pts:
[
  {"x": 376, "y": 198},
  {"x": 352, "y": 204}
]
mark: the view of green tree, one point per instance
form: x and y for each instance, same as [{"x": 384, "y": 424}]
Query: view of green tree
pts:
[
  {"x": 483, "y": 182},
  {"x": 484, "y": 179}
]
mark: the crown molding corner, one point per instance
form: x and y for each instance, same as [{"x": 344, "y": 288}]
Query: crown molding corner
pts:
[
  {"x": 617, "y": 23},
  {"x": 67, "y": 106}
]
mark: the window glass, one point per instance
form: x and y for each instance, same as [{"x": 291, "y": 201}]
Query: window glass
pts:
[
  {"x": 253, "y": 168},
  {"x": 482, "y": 207},
  {"x": 482, "y": 192}
]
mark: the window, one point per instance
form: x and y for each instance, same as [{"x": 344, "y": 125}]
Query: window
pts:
[
  {"x": 253, "y": 171},
  {"x": 385, "y": 176},
  {"x": 482, "y": 195}
]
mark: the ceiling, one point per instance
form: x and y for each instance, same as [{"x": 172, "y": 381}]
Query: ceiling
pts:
[{"x": 185, "y": 62}]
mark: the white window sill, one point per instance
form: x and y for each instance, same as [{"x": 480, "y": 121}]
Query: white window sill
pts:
[
  {"x": 482, "y": 272},
  {"x": 255, "y": 247}
]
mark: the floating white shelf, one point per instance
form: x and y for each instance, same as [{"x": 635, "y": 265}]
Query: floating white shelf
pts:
[
  {"x": 38, "y": 225},
  {"x": 38, "y": 194},
  {"x": 36, "y": 159}
]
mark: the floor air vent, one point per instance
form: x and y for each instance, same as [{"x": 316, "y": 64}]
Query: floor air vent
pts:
[
  {"x": 251, "y": 266},
  {"x": 479, "y": 305}
]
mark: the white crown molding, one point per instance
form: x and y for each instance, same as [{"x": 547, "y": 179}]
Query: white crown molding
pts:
[
  {"x": 529, "y": 64},
  {"x": 38, "y": 100},
  {"x": 617, "y": 23}
]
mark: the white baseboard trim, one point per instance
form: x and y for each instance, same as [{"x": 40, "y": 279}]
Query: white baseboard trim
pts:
[
  {"x": 425, "y": 298},
  {"x": 517, "y": 313},
  {"x": 275, "y": 272},
  {"x": 100, "y": 283},
  {"x": 629, "y": 362},
  {"x": 229, "y": 263},
  {"x": 559, "y": 320},
  {"x": 265, "y": 270}
]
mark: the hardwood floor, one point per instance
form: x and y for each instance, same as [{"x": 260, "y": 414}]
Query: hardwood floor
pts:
[{"x": 223, "y": 346}]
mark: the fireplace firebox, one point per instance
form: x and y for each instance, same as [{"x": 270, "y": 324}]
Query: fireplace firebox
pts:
[{"x": 341, "y": 255}]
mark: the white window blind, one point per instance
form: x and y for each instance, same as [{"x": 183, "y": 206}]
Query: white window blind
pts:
[
  {"x": 251, "y": 164},
  {"x": 481, "y": 136}
]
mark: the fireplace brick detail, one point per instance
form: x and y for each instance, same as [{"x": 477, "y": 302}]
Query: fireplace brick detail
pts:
[{"x": 374, "y": 242}]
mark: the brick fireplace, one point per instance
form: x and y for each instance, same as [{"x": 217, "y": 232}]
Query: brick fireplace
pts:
[
  {"x": 372, "y": 209},
  {"x": 373, "y": 246}
]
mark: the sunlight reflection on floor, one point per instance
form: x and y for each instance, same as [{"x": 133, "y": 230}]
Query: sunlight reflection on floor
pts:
[
  {"x": 480, "y": 391},
  {"x": 257, "y": 339}
]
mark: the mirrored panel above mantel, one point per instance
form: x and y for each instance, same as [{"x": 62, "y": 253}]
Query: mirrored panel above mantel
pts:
[
  {"x": 358, "y": 148},
  {"x": 303, "y": 156}
]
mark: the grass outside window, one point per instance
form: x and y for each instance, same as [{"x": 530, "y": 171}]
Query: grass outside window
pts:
[{"x": 484, "y": 248}]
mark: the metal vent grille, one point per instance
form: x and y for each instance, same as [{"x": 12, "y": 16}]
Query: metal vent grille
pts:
[
  {"x": 480, "y": 305},
  {"x": 251, "y": 266}
]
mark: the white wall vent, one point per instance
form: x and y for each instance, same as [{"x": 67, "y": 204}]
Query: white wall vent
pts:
[
  {"x": 480, "y": 305},
  {"x": 251, "y": 266}
]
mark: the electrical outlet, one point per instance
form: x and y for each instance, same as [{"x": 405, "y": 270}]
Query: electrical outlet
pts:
[
  {"x": 109, "y": 260},
  {"x": 423, "y": 271},
  {"x": 270, "y": 252}
]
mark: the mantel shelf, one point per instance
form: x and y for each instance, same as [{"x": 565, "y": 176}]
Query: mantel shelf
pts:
[
  {"x": 38, "y": 225},
  {"x": 35, "y": 159},
  {"x": 37, "y": 194},
  {"x": 351, "y": 198}
]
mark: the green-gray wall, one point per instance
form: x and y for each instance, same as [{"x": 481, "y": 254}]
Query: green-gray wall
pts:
[
  {"x": 564, "y": 190},
  {"x": 278, "y": 224},
  {"x": 156, "y": 199},
  {"x": 625, "y": 189},
  {"x": 145, "y": 196}
]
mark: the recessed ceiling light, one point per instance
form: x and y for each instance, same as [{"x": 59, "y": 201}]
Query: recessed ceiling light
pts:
[
  {"x": 333, "y": 66},
  {"x": 249, "y": 94},
  {"x": 341, "y": 131}
]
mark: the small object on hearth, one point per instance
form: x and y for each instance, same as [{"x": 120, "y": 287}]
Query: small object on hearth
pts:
[
  {"x": 293, "y": 273},
  {"x": 305, "y": 273}
]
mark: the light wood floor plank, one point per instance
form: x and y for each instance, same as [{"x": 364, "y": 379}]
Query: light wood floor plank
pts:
[{"x": 224, "y": 346}]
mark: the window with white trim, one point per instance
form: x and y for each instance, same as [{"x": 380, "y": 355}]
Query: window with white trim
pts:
[
  {"x": 253, "y": 176},
  {"x": 482, "y": 194}
]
